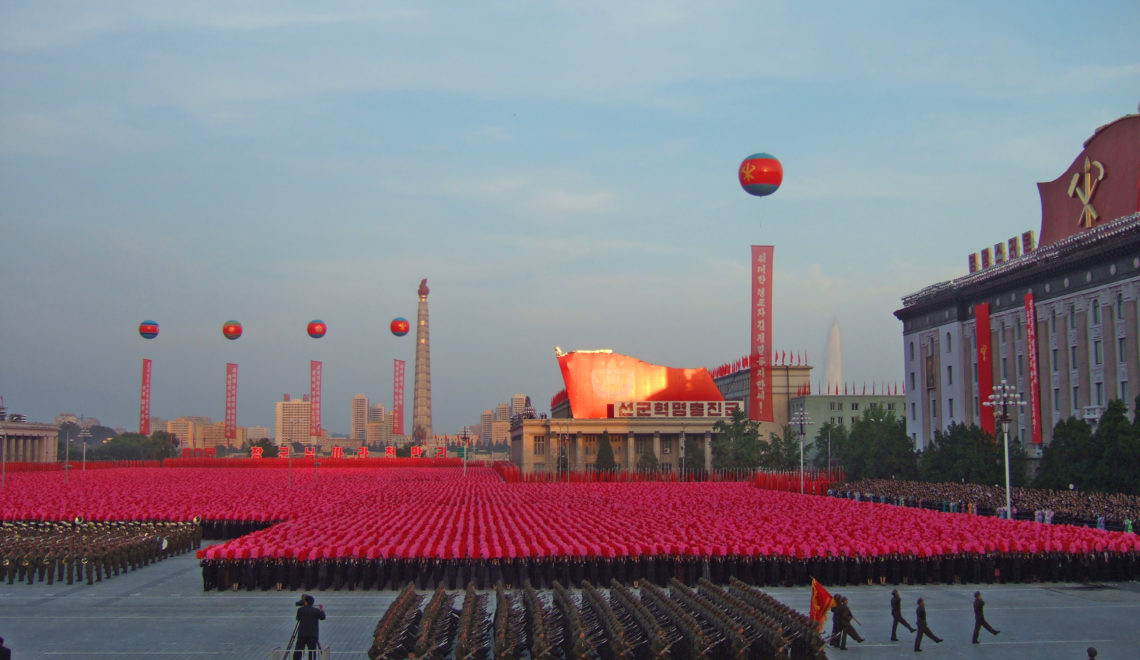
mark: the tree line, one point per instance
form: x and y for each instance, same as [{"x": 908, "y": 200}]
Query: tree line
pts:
[{"x": 1100, "y": 458}]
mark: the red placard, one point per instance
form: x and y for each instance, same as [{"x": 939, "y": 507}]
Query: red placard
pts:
[
  {"x": 231, "y": 401},
  {"x": 1034, "y": 374},
  {"x": 985, "y": 364},
  {"x": 144, "y": 399},
  {"x": 397, "y": 397},
  {"x": 314, "y": 399},
  {"x": 760, "y": 381}
]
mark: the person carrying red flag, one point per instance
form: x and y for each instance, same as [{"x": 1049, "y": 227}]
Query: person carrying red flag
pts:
[{"x": 821, "y": 604}]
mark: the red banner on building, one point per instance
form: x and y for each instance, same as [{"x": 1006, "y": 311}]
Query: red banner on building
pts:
[
  {"x": 1034, "y": 374},
  {"x": 760, "y": 381},
  {"x": 144, "y": 399},
  {"x": 397, "y": 397},
  {"x": 231, "y": 401},
  {"x": 314, "y": 399},
  {"x": 985, "y": 364}
]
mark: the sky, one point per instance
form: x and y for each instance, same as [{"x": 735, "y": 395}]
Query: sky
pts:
[{"x": 562, "y": 173}]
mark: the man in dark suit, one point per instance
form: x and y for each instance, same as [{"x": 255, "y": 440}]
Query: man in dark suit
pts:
[
  {"x": 6, "y": 653},
  {"x": 980, "y": 617},
  {"x": 920, "y": 614},
  {"x": 896, "y": 615},
  {"x": 308, "y": 626}
]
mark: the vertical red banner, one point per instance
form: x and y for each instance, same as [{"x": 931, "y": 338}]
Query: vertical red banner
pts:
[
  {"x": 144, "y": 399},
  {"x": 231, "y": 400},
  {"x": 760, "y": 382},
  {"x": 1034, "y": 374},
  {"x": 314, "y": 399},
  {"x": 397, "y": 397},
  {"x": 985, "y": 364}
]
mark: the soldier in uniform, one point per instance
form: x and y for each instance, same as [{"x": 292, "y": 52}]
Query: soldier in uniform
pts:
[
  {"x": 980, "y": 617},
  {"x": 896, "y": 615},
  {"x": 923, "y": 629}
]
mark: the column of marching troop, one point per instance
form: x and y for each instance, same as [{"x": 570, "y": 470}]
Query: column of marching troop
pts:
[
  {"x": 88, "y": 551},
  {"x": 737, "y": 621}
]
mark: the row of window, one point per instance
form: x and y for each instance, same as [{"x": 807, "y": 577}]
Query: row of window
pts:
[
  {"x": 1099, "y": 399},
  {"x": 1094, "y": 305}
]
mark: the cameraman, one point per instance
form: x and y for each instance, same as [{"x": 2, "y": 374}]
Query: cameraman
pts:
[{"x": 308, "y": 626}]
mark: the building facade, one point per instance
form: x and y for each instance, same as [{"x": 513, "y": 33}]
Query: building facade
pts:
[
  {"x": 1058, "y": 320},
  {"x": 291, "y": 421},
  {"x": 28, "y": 442},
  {"x": 358, "y": 417}
]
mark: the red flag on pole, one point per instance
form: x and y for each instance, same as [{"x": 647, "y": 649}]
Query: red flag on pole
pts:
[{"x": 821, "y": 604}]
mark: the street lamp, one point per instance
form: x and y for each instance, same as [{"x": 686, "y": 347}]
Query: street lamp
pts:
[
  {"x": 1004, "y": 396},
  {"x": 466, "y": 450},
  {"x": 801, "y": 417},
  {"x": 84, "y": 435}
]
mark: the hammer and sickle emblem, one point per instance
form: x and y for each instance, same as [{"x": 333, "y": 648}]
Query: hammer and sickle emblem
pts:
[{"x": 1085, "y": 194}]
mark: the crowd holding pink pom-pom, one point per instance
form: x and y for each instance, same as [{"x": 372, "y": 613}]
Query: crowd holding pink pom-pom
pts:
[{"x": 427, "y": 523}]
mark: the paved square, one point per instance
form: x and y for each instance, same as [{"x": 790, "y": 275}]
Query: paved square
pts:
[{"x": 160, "y": 611}]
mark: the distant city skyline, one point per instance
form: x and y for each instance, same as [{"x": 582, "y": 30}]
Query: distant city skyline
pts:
[{"x": 564, "y": 174}]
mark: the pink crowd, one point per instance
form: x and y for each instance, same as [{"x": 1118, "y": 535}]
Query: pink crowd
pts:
[{"x": 437, "y": 513}]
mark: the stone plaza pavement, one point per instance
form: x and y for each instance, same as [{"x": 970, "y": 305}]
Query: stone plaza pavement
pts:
[{"x": 160, "y": 611}]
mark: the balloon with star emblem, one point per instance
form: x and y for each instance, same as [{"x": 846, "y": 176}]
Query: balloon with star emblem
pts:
[
  {"x": 760, "y": 174},
  {"x": 317, "y": 328},
  {"x": 400, "y": 326}
]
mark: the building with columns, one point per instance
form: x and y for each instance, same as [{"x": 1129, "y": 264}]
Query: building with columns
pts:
[
  {"x": 28, "y": 442},
  {"x": 1057, "y": 320},
  {"x": 644, "y": 409}
]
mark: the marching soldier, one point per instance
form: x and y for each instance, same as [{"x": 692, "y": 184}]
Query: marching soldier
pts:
[{"x": 896, "y": 615}]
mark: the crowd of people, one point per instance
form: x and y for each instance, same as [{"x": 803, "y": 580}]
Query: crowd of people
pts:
[
  {"x": 1112, "y": 511},
  {"x": 84, "y": 551}
]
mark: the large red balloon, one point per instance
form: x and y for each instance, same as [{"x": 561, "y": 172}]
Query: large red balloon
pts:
[
  {"x": 761, "y": 174},
  {"x": 148, "y": 329},
  {"x": 317, "y": 328},
  {"x": 231, "y": 329},
  {"x": 400, "y": 326}
]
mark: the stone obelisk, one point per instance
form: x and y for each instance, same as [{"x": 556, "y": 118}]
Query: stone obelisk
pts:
[{"x": 421, "y": 397}]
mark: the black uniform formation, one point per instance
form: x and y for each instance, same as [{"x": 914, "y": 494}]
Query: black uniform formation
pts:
[
  {"x": 88, "y": 551},
  {"x": 707, "y": 622},
  {"x": 350, "y": 573}
]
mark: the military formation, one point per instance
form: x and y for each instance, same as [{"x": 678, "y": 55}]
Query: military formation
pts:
[
  {"x": 390, "y": 573},
  {"x": 88, "y": 552},
  {"x": 710, "y": 621}
]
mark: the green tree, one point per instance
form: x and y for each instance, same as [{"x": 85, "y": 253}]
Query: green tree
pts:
[
  {"x": 782, "y": 452},
  {"x": 605, "y": 459},
  {"x": 738, "y": 443},
  {"x": 829, "y": 441},
  {"x": 694, "y": 453},
  {"x": 647, "y": 461},
  {"x": 963, "y": 453},
  {"x": 878, "y": 447},
  {"x": 1068, "y": 458}
]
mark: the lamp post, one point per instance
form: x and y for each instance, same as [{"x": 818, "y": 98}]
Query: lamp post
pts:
[
  {"x": 84, "y": 434},
  {"x": 466, "y": 450},
  {"x": 66, "y": 454},
  {"x": 1004, "y": 396},
  {"x": 802, "y": 418}
]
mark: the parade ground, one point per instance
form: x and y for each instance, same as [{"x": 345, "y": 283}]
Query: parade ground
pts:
[{"x": 160, "y": 611}]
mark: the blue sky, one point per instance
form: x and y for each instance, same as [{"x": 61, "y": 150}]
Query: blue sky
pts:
[{"x": 563, "y": 173}]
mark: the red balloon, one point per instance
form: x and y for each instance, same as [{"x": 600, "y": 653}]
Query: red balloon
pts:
[
  {"x": 231, "y": 329},
  {"x": 317, "y": 328},
  {"x": 400, "y": 326}
]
